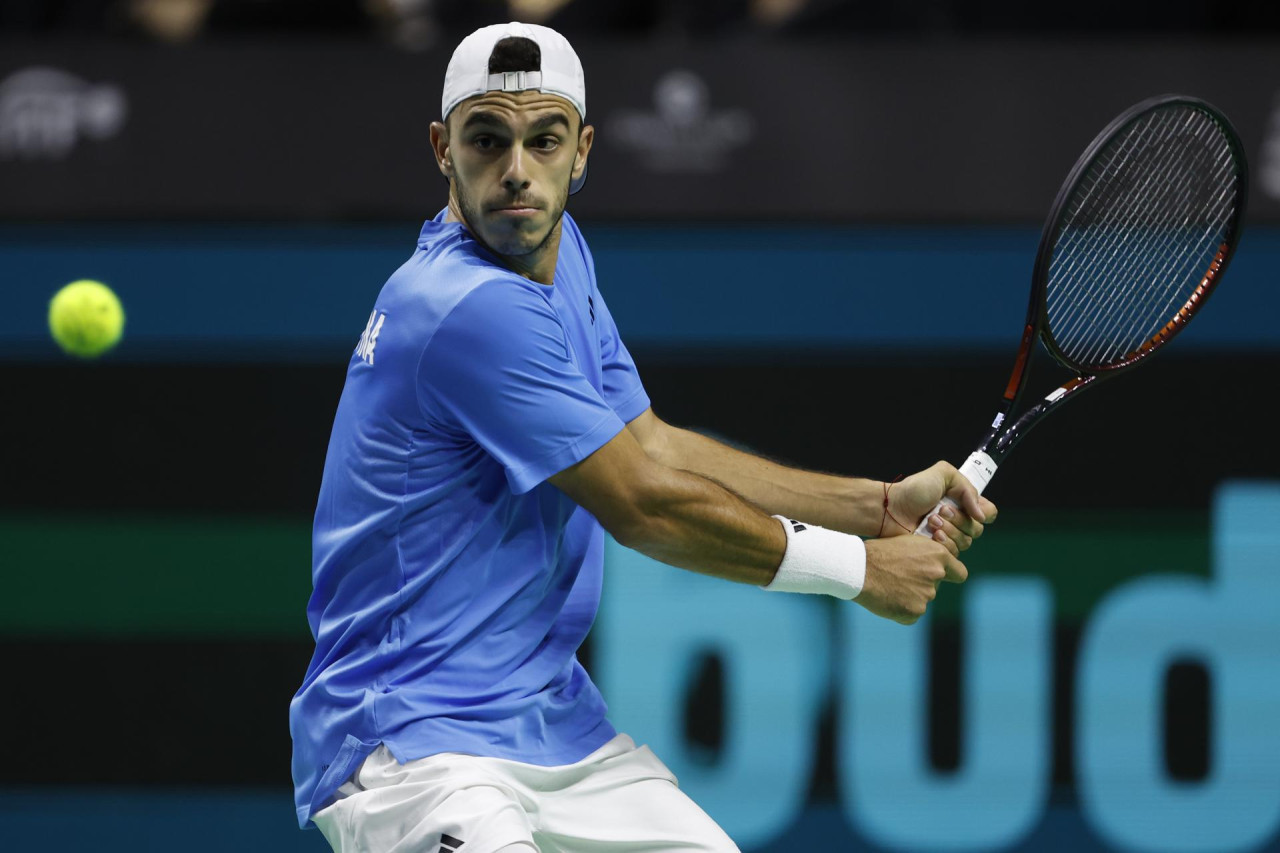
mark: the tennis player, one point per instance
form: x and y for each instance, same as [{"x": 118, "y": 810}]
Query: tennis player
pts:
[{"x": 492, "y": 427}]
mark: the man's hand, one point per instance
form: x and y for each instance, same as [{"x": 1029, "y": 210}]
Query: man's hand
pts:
[
  {"x": 918, "y": 494},
  {"x": 903, "y": 574}
]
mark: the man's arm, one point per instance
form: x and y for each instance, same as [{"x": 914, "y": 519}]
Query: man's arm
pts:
[
  {"x": 848, "y": 504},
  {"x": 687, "y": 520},
  {"x": 674, "y": 516}
]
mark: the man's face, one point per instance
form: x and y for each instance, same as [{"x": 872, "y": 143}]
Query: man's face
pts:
[{"x": 513, "y": 155}]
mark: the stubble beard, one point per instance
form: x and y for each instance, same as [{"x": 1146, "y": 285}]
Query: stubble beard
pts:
[{"x": 474, "y": 213}]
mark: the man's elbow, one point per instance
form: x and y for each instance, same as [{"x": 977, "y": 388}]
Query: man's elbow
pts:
[
  {"x": 638, "y": 521},
  {"x": 627, "y": 491},
  {"x": 630, "y": 533}
]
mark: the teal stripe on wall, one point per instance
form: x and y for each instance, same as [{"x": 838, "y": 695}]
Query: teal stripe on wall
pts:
[
  {"x": 304, "y": 292},
  {"x": 137, "y": 575}
]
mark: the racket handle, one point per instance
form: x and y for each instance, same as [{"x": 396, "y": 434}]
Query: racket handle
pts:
[{"x": 978, "y": 469}]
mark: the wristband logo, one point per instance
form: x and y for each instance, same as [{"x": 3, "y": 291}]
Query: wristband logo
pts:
[{"x": 778, "y": 682}]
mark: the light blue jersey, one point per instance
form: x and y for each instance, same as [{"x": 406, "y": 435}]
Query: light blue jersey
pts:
[{"x": 452, "y": 585}]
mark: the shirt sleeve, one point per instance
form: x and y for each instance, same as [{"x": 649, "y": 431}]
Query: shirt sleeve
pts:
[
  {"x": 623, "y": 390},
  {"x": 498, "y": 368}
]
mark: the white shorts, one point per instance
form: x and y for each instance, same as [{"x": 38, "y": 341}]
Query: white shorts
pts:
[{"x": 618, "y": 798}]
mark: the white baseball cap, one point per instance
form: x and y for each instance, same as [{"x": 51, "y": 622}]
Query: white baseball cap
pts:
[{"x": 560, "y": 73}]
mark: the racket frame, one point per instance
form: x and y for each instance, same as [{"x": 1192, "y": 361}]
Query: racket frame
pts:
[{"x": 999, "y": 439}]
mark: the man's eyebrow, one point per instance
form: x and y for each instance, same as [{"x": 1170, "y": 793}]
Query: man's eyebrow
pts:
[
  {"x": 482, "y": 117},
  {"x": 550, "y": 120},
  {"x": 486, "y": 117}
]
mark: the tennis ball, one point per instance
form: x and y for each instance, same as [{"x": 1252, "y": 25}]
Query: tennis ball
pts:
[{"x": 86, "y": 318}]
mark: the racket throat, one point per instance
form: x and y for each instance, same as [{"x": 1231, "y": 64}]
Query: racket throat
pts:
[{"x": 1020, "y": 364}]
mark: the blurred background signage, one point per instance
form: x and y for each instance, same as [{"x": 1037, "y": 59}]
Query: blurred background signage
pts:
[{"x": 857, "y": 130}]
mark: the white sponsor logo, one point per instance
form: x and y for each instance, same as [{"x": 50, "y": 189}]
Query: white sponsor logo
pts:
[
  {"x": 369, "y": 340},
  {"x": 682, "y": 133},
  {"x": 45, "y": 111},
  {"x": 1269, "y": 174}
]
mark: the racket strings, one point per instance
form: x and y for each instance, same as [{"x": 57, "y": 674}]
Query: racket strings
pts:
[
  {"x": 1155, "y": 304},
  {"x": 1140, "y": 230},
  {"x": 1080, "y": 251},
  {"x": 1181, "y": 262},
  {"x": 1117, "y": 252}
]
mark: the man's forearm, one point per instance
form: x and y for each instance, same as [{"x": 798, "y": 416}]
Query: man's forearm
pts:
[
  {"x": 847, "y": 504},
  {"x": 697, "y": 524}
]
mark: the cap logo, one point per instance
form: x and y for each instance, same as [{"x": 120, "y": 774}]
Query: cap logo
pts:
[{"x": 515, "y": 81}]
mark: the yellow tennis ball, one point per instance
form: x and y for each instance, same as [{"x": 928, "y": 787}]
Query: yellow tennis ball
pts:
[{"x": 86, "y": 318}]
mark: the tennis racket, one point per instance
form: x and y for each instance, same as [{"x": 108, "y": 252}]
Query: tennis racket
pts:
[{"x": 1138, "y": 238}]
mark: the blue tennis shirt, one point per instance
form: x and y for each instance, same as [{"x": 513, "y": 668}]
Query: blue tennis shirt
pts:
[{"x": 452, "y": 585}]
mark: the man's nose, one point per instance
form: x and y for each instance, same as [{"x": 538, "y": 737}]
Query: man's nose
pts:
[{"x": 516, "y": 175}]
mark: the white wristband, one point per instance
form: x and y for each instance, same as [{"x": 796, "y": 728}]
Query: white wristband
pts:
[{"x": 820, "y": 561}]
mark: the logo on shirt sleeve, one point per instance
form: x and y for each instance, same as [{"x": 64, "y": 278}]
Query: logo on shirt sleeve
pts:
[{"x": 369, "y": 340}]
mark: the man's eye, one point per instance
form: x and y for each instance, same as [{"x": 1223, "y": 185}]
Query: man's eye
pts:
[
  {"x": 546, "y": 143},
  {"x": 483, "y": 142}
]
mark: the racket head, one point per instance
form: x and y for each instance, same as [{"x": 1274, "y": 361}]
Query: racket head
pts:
[{"x": 1139, "y": 235}]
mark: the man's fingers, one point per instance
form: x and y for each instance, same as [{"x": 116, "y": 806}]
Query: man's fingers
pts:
[
  {"x": 954, "y": 570},
  {"x": 956, "y": 534},
  {"x": 989, "y": 511},
  {"x": 944, "y": 533},
  {"x": 976, "y": 506}
]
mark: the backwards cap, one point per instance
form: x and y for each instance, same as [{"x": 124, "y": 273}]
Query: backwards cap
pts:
[{"x": 468, "y": 73}]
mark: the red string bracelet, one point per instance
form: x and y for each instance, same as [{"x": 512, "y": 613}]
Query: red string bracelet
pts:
[{"x": 888, "y": 514}]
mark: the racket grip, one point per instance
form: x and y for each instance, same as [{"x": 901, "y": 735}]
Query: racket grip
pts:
[{"x": 978, "y": 469}]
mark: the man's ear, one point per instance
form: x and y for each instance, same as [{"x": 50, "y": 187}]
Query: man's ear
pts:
[
  {"x": 585, "y": 138},
  {"x": 440, "y": 147}
]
